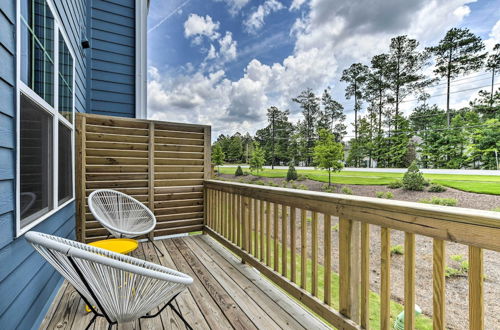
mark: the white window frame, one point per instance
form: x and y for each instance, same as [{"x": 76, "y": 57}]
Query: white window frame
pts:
[
  {"x": 53, "y": 111},
  {"x": 141, "y": 46}
]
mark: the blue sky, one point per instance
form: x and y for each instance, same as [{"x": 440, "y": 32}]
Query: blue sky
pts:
[{"x": 224, "y": 62}]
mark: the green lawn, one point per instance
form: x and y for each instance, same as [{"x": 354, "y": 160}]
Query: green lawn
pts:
[{"x": 483, "y": 184}]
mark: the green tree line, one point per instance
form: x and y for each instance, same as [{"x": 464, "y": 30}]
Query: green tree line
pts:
[{"x": 384, "y": 136}]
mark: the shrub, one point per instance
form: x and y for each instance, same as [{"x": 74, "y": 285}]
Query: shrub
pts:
[
  {"x": 389, "y": 195},
  {"x": 260, "y": 182},
  {"x": 272, "y": 184},
  {"x": 440, "y": 201},
  {"x": 291, "y": 174},
  {"x": 346, "y": 190},
  {"x": 395, "y": 184},
  {"x": 327, "y": 188},
  {"x": 284, "y": 184},
  {"x": 301, "y": 177},
  {"x": 397, "y": 249},
  {"x": 459, "y": 267},
  {"x": 303, "y": 187},
  {"x": 413, "y": 179},
  {"x": 335, "y": 227},
  {"x": 437, "y": 188},
  {"x": 239, "y": 171},
  {"x": 380, "y": 194},
  {"x": 496, "y": 209},
  {"x": 294, "y": 185}
]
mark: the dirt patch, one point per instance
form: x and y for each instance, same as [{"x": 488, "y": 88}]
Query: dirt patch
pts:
[{"x": 456, "y": 287}]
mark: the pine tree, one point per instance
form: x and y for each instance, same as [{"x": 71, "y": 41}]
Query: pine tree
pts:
[
  {"x": 355, "y": 77},
  {"x": 458, "y": 53},
  {"x": 334, "y": 116},
  {"x": 309, "y": 103},
  {"x": 493, "y": 65}
]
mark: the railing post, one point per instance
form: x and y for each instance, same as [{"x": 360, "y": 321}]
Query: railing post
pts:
[
  {"x": 80, "y": 177},
  {"x": 476, "y": 292},
  {"x": 151, "y": 172},
  {"x": 349, "y": 268}
]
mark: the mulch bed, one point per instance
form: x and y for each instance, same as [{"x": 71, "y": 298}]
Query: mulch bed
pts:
[{"x": 456, "y": 287}]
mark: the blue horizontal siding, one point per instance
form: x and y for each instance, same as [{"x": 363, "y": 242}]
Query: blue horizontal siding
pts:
[{"x": 113, "y": 58}]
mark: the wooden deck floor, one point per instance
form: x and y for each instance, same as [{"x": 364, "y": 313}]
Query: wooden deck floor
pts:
[{"x": 226, "y": 294}]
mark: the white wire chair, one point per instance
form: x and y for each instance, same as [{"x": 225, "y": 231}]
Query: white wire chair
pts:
[
  {"x": 122, "y": 288},
  {"x": 121, "y": 214}
]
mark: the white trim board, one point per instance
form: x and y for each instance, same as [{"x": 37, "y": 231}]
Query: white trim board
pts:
[{"x": 141, "y": 58}]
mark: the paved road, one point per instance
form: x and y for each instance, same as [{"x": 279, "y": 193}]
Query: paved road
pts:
[{"x": 394, "y": 170}]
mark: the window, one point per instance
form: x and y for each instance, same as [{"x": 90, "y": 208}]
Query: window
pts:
[{"x": 45, "y": 115}]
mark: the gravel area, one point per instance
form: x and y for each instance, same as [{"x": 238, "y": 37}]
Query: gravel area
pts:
[{"x": 456, "y": 287}]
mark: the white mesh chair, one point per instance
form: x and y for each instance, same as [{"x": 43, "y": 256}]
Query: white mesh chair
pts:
[
  {"x": 121, "y": 214},
  {"x": 115, "y": 286}
]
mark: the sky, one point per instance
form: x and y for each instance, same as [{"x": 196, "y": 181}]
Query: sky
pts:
[{"x": 224, "y": 62}]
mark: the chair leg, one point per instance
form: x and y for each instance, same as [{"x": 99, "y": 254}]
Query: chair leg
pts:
[
  {"x": 180, "y": 315},
  {"x": 91, "y": 322},
  {"x": 155, "y": 247}
]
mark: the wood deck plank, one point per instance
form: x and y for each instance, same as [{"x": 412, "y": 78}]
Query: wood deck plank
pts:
[{"x": 225, "y": 294}]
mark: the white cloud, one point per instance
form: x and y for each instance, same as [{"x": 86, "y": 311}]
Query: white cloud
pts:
[
  {"x": 228, "y": 47},
  {"x": 461, "y": 12},
  {"x": 235, "y": 5},
  {"x": 256, "y": 19},
  {"x": 296, "y": 4},
  {"x": 330, "y": 37},
  {"x": 198, "y": 26}
]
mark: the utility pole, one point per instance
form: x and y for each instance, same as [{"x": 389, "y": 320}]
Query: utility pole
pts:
[{"x": 272, "y": 151}]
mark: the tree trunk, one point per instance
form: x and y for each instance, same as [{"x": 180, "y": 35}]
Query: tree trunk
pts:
[
  {"x": 492, "y": 86},
  {"x": 329, "y": 177}
]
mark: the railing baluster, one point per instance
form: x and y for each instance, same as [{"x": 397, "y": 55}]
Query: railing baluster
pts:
[
  {"x": 438, "y": 285},
  {"x": 385, "y": 279},
  {"x": 244, "y": 226},
  {"x": 314, "y": 234},
  {"x": 217, "y": 211},
  {"x": 268, "y": 234},
  {"x": 256, "y": 228},
  {"x": 293, "y": 245},
  {"x": 409, "y": 307},
  {"x": 224, "y": 214},
  {"x": 235, "y": 218},
  {"x": 261, "y": 218},
  {"x": 327, "y": 255},
  {"x": 284, "y": 239},
  {"x": 303, "y": 250},
  {"x": 365, "y": 275},
  {"x": 250, "y": 221},
  {"x": 276, "y": 237},
  {"x": 476, "y": 275},
  {"x": 345, "y": 234},
  {"x": 239, "y": 223}
]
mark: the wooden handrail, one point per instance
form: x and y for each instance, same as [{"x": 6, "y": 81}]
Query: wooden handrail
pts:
[{"x": 259, "y": 224}]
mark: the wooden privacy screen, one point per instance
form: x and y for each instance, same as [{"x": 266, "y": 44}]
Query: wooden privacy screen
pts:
[{"x": 161, "y": 164}]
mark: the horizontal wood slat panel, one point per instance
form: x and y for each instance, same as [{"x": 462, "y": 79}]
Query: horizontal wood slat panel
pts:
[{"x": 161, "y": 164}]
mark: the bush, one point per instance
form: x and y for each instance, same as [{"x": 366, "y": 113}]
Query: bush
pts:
[
  {"x": 459, "y": 267},
  {"x": 303, "y": 187},
  {"x": 395, "y": 184},
  {"x": 335, "y": 227},
  {"x": 440, "y": 201},
  {"x": 294, "y": 185},
  {"x": 291, "y": 174},
  {"x": 327, "y": 188},
  {"x": 272, "y": 184},
  {"x": 496, "y": 209},
  {"x": 260, "y": 182},
  {"x": 346, "y": 190},
  {"x": 389, "y": 195},
  {"x": 284, "y": 184},
  {"x": 380, "y": 194},
  {"x": 301, "y": 177},
  {"x": 239, "y": 171},
  {"x": 397, "y": 249},
  {"x": 413, "y": 178},
  {"x": 437, "y": 188}
]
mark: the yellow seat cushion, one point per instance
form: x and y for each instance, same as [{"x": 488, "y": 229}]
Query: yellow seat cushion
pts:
[{"x": 118, "y": 245}]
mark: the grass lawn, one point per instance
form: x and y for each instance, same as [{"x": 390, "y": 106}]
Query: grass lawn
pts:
[
  {"x": 422, "y": 322},
  {"x": 483, "y": 184}
]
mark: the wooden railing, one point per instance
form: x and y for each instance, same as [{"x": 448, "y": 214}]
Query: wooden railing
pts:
[
  {"x": 161, "y": 164},
  {"x": 278, "y": 231}
]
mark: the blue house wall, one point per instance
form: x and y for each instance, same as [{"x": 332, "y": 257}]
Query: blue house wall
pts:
[
  {"x": 112, "y": 39},
  {"x": 104, "y": 84}
]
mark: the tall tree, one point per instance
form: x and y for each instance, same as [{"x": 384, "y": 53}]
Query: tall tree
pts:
[
  {"x": 377, "y": 85},
  {"x": 493, "y": 65},
  {"x": 309, "y": 103},
  {"x": 257, "y": 158},
  {"x": 328, "y": 154},
  {"x": 355, "y": 76},
  {"x": 334, "y": 116},
  {"x": 458, "y": 53},
  {"x": 404, "y": 70}
]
